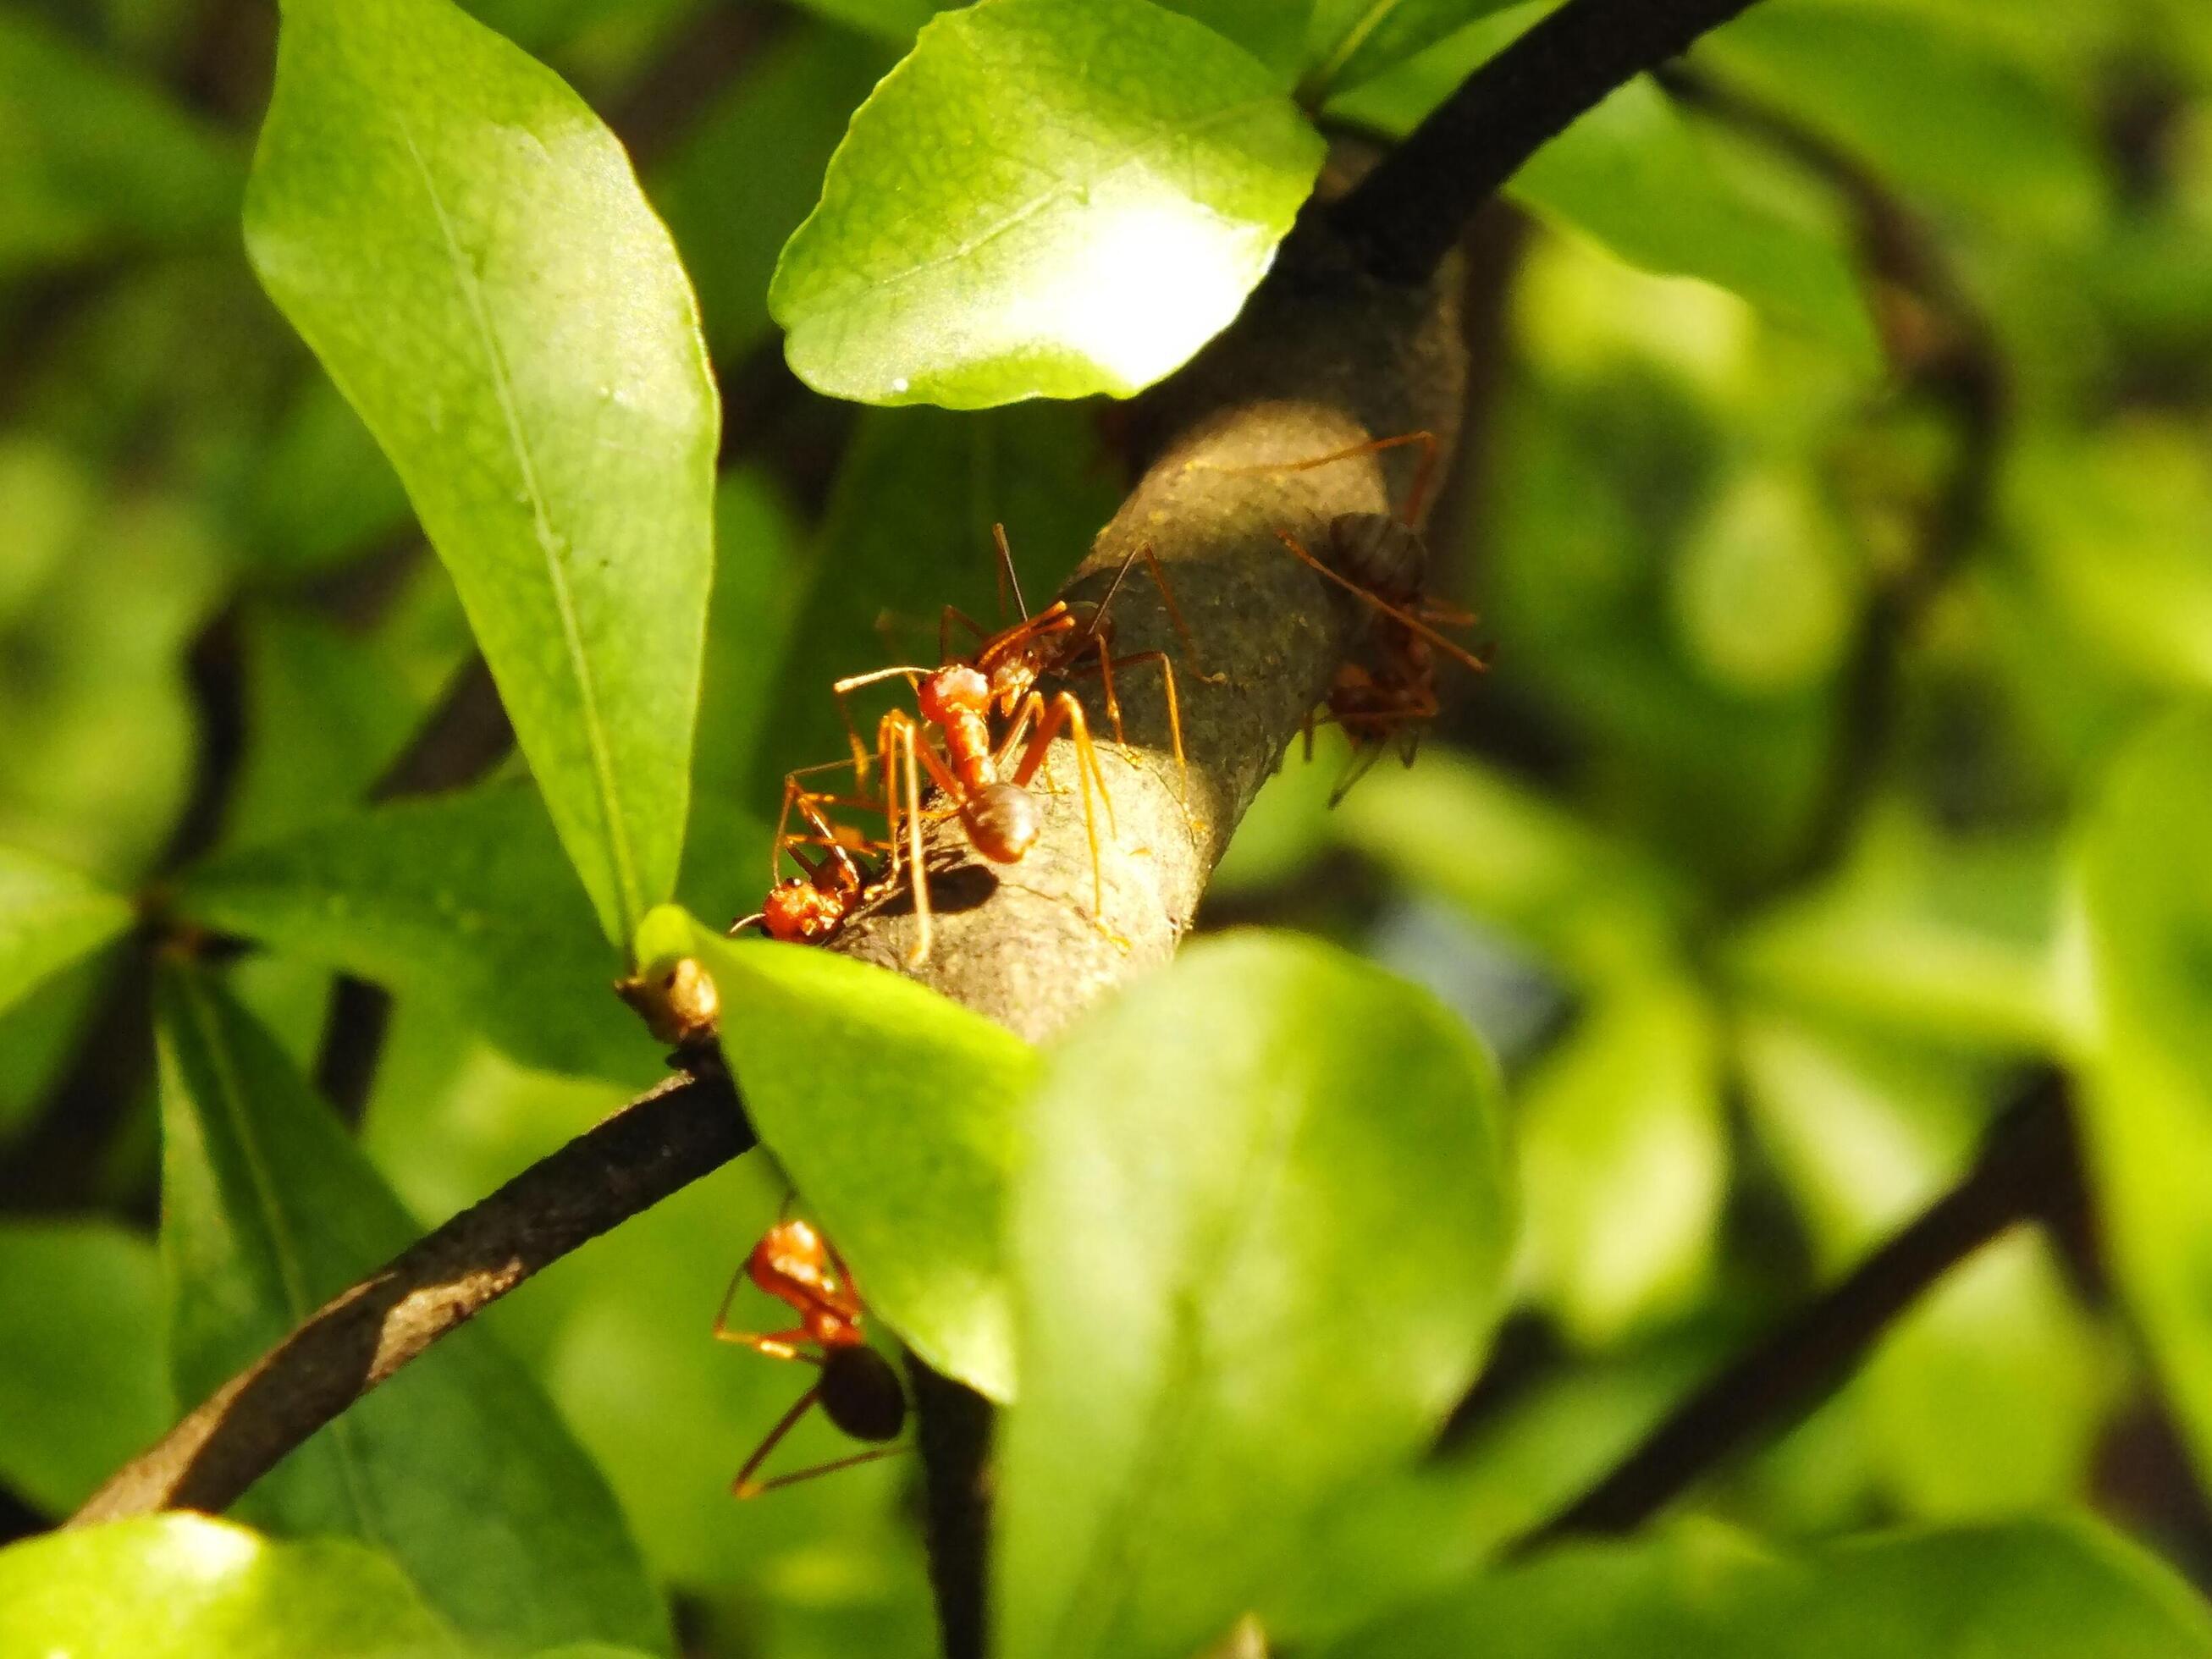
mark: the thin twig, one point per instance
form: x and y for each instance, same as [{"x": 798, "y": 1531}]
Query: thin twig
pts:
[
  {"x": 2024, "y": 1172},
  {"x": 1407, "y": 214},
  {"x": 661, "y": 1141}
]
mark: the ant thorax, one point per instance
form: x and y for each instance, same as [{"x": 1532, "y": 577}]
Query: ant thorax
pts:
[{"x": 943, "y": 696}]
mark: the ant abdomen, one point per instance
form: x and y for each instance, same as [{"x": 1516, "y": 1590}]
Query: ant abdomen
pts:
[
  {"x": 1003, "y": 822},
  {"x": 1379, "y": 552},
  {"x": 861, "y": 1394}
]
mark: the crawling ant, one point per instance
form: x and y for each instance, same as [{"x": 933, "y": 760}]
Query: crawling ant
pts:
[
  {"x": 857, "y": 1390},
  {"x": 1389, "y": 692},
  {"x": 987, "y": 779},
  {"x": 809, "y": 909}
]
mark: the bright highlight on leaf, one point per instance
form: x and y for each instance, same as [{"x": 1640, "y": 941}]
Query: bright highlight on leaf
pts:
[
  {"x": 50, "y": 916},
  {"x": 466, "y": 249},
  {"x": 1047, "y": 199},
  {"x": 1262, "y": 1240}
]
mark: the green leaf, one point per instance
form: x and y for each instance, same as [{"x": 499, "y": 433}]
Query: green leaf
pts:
[
  {"x": 1351, "y": 41},
  {"x": 1272, "y": 32},
  {"x": 1105, "y": 183},
  {"x": 895, "y": 1112},
  {"x": 321, "y": 492},
  {"x": 747, "y": 175},
  {"x": 186, "y": 1586},
  {"x": 2146, "y": 902},
  {"x": 465, "y": 248},
  {"x": 1632, "y": 175},
  {"x": 1262, "y": 1240},
  {"x": 1922, "y": 100},
  {"x": 2033, "y": 1589},
  {"x": 93, "y": 161},
  {"x": 50, "y": 916},
  {"x": 1988, "y": 1396},
  {"x": 895, "y": 20},
  {"x": 82, "y": 1389},
  {"x": 463, "y": 898},
  {"x": 1624, "y": 1159},
  {"x": 458, "y": 1465}
]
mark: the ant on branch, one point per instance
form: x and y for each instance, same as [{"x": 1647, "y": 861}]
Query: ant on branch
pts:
[
  {"x": 857, "y": 1390},
  {"x": 985, "y": 778},
  {"x": 809, "y": 909},
  {"x": 1389, "y": 692}
]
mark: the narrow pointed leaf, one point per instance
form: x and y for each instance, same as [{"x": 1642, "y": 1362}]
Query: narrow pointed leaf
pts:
[
  {"x": 465, "y": 247},
  {"x": 1104, "y": 182},
  {"x": 1260, "y": 1242},
  {"x": 50, "y": 916},
  {"x": 895, "y": 1112},
  {"x": 458, "y": 1466},
  {"x": 1349, "y": 41}
]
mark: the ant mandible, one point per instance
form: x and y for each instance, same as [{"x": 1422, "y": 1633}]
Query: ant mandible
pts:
[{"x": 857, "y": 1390}]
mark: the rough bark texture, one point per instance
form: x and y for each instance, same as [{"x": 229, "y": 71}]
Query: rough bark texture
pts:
[{"x": 1326, "y": 358}]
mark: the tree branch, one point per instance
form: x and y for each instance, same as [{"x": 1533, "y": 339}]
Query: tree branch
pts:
[
  {"x": 2026, "y": 1171},
  {"x": 1404, "y": 217},
  {"x": 661, "y": 1141}
]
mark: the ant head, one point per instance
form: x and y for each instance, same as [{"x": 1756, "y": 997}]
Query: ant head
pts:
[
  {"x": 1003, "y": 822},
  {"x": 860, "y": 1392},
  {"x": 953, "y": 688},
  {"x": 797, "y": 912}
]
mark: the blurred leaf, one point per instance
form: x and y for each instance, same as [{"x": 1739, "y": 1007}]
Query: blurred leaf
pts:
[
  {"x": 463, "y": 897},
  {"x": 1949, "y": 940},
  {"x": 1633, "y": 177},
  {"x": 902, "y": 1147},
  {"x": 1924, "y": 101},
  {"x": 895, "y": 20},
  {"x": 458, "y": 1465},
  {"x": 748, "y": 172},
  {"x": 2034, "y": 1590},
  {"x": 1352, "y": 41},
  {"x": 1765, "y": 592},
  {"x": 93, "y": 160},
  {"x": 1625, "y": 1161},
  {"x": 1106, "y": 182},
  {"x": 756, "y": 592},
  {"x": 82, "y": 1390},
  {"x": 50, "y": 916},
  {"x": 1261, "y": 1242},
  {"x": 1597, "y": 909},
  {"x": 465, "y": 247},
  {"x": 1987, "y": 1398},
  {"x": 321, "y": 491},
  {"x": 909, "y": 531},
  {"x": 1271, "y": 31},
  {"x": 184, "y": 1586},
  {"x": 325, "y": 715},
  {"x": 46, "y": 502},
  {"x": 2146, "y": 903}
]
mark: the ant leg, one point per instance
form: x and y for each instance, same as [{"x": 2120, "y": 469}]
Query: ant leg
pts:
[
  {"x": 831, "y": 1468},
  {"x": 951, "y": 614},
  {"x": 1065, "y": 710},
  {"x": 742, "y": 1486},
  {"x": 777, "y": 1345},
  {"x": 842, "y": 689},
  {"x": 1458, "y": 652},
  {"x": 897, "y": 737},
  {"x": 1174, "y": 616},
  {"x": 1423, "y": 471}
]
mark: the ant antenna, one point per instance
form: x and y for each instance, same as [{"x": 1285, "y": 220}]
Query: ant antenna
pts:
[{"x": 1007, "y": 577}]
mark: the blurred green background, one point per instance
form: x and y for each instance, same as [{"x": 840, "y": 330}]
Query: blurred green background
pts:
[{"x": 1837, "y": 498}]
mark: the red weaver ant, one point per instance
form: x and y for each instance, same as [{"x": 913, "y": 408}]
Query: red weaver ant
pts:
[
  {"x": 986, "y": 779},
  {"x": 858, "y": 1390},
  {"x": 810, "y": 907},
  {"x": 1389, "y": 692}
]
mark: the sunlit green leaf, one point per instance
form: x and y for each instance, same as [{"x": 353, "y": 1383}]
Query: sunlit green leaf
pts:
[
  {"x": 2034, "y": 1590},
  {"x": 186, "y": 1586},
  {"x": 1262, "y": 1240},
  {"x": 2147, "y": 898},
  {"x": 465, "y": 248},
  {"x": 50, "y": 916},
  {"x": 1105, "y": 183},
  {"x": 463, "y": 898},
  {"x": 894, "y": 1110},
  {"x": 458, "y": 1466},
  {"x": 1623, "y": 1158},
  {"x": 82, "y": 1388}
]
